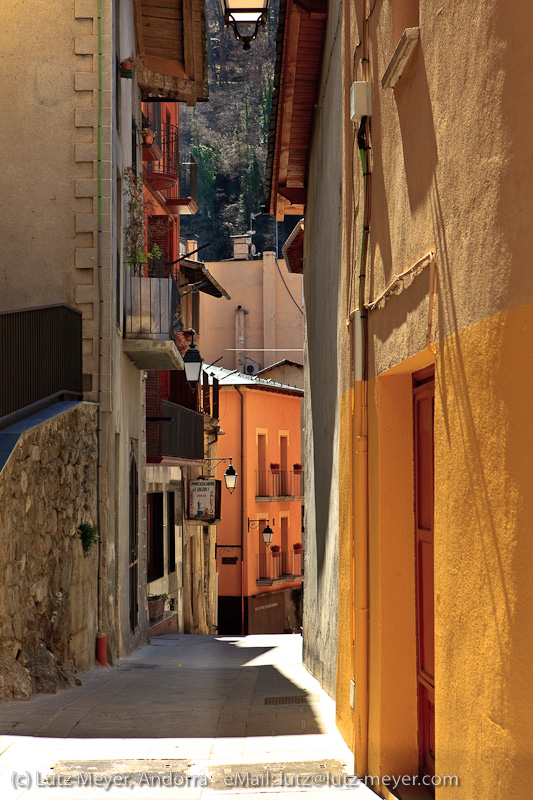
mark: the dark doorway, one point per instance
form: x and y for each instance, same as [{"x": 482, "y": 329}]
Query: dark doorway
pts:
[{"x": 133, "y": 567}]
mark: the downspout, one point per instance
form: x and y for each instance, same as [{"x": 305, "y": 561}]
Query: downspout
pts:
[
  {"x": 101, "y": 637},
  {"x": 242, "y": 509},
  {"x": 360, "y": 432}
]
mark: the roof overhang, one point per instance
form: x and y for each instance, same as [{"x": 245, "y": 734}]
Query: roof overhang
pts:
[
  {"x": 301, "y": 31},
  {"x": 197, "y": 274},
  {"x": 293, "y": 249},
  {"x": 171, "y": 39}
]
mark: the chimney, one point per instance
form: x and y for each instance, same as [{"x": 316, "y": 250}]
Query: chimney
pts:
[{"x": 241, "y": 247}]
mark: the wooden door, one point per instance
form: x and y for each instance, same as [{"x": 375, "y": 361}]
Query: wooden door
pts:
[{"x": 423, "y": 397}]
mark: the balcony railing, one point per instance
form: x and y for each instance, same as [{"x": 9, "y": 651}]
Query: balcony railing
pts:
[
  {"x": 148, "y": 309},
  {"x": 149, "y": 302},
  {"x": 164, "y": 173},
  {"x": 174, "y": 432},
  {"x": 285, "y": 565},
  {"x": 182, "y": 198},
  {"x": 285, "y": 483},
  {"x": 40, "y": 357}
]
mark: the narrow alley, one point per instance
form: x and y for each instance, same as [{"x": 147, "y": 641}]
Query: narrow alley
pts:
[{"x": 186, "y": 716}]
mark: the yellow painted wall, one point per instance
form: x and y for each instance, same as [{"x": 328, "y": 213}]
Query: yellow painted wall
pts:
[{"x": 483, "y": 556}]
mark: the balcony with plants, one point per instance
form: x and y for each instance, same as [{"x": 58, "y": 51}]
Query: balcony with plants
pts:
[
  {"x": 150, "y": 290},
  {"x": 277, "y": 567},
  {"x": 278, "y": 484},
  {"x": 174, "y": 180}
]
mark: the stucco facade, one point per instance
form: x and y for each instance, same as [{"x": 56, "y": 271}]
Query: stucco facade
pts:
[
  {"x": 261, "y": 324},
  {"x": 436, "y": 202},
  {"x": 259, "y": 589},
  {"x": 75, "y": 113}
]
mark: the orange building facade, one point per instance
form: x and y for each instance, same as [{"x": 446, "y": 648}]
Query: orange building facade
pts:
[{"x": 259, "y": 585}]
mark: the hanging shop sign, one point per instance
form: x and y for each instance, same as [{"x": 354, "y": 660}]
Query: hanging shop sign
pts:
[{"x": 204, "y": 500}]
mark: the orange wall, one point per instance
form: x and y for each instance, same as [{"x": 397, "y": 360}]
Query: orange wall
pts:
[{"x": 273, "y": 413}]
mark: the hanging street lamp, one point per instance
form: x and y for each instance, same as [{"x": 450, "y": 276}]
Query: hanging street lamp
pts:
[
  {"x": 193, "y": 365},
  {"x": 230, "y": 478},
  {"x": 267, "y": 531},
  {"x": 248, "y": 13}
]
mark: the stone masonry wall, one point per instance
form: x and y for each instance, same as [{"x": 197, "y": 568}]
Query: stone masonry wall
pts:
[{"x": 48, "y": 612}]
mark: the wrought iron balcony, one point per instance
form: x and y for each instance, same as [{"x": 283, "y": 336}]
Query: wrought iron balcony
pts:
[
  {"x": 280, "y": 567},
  {"x": 163, "y": 171},
  {"x": 148, "y": 310},
  {"x": 173, "y": 431},
  {"x": 284, "y": 483},
  {"x": 182, "y": 198}
]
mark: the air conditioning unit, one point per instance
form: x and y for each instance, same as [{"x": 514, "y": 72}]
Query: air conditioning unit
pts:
[{"x": 252, "y": 368}]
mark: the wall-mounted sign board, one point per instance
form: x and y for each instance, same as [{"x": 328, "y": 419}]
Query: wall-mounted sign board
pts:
[{"x": 204, "y": 500}]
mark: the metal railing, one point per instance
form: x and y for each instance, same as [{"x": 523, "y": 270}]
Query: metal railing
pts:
[
  {"x": 284, "y": 483},
  {"x": 148, "y": 306},
  {"x": 40, "y": 357},
  {"x": 275, "y": 566},
  {"x": 167, "y": 137},
  {"x": 174, "y": 431},
  {"x": 268, "y": 566}
]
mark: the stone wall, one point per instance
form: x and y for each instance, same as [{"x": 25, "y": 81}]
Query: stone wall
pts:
[{"x": 48, "y": 610}]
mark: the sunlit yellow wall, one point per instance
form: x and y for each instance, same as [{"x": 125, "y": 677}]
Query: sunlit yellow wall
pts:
[
  {"x": 483, "y": 556},
  {"x": 346, "y": 608}
]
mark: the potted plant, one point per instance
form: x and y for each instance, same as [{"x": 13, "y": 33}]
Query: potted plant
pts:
[
  {"x": 148, "y": 136},
  {"x": 274, "y": 467},
  {"x": 156, "y": 605},
  {"x": 126, "y": 68},
  {"x": 297, "y": 547},
  {"x": 275, "y": 550},
  {"x": 297, "y": 469}
]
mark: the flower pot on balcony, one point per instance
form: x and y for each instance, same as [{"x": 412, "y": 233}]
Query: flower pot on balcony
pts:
[
  {"x": 276, "y": 550},
  {"x": 297, "y": 547},
  {"x": 274, "y": 468},
  {"x": 297, "y": 469},
  {"x": 148, "y": 137}
]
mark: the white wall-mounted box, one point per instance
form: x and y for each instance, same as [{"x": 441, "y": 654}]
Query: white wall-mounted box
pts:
[{"x": 360, "y": 100}]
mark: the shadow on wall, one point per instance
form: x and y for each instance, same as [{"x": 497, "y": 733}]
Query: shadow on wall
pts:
[
  {"x": 417, "y": 128},
  {"x": 323, "y": 380}
]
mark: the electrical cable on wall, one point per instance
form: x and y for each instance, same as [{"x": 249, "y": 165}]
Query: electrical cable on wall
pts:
[{"x": 287, "y": 288}]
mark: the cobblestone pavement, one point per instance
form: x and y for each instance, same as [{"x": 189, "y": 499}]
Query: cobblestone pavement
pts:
[{"x": 189, "y": 717}]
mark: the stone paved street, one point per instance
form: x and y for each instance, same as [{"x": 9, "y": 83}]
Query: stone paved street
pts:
[{"x": 239, "y": 714}]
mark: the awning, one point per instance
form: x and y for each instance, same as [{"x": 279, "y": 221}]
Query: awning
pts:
[
  {"x": 293, "y": 249},
  {"x": 201, "y": 279}
]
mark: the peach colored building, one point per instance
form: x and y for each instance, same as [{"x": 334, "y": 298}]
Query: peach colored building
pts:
[
  {"x": 259, "y": 586},
  {"x": 263, "y": 323}
]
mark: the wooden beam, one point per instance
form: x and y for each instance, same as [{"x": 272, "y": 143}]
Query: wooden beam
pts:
[
  {"x": 289, "y": 80},
  {"x": 166, "y": 66},
  {"x": 139, "y": 41},
  {"x": 166, "y": 85},
  {"x": 188, "y": 39}
]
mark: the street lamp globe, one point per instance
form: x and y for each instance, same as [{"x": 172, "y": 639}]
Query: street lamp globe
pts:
[{"x": 248, "y": 13}]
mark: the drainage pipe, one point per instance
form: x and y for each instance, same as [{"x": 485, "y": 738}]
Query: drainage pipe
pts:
[
  {"x": 360, "y": 433},
  {"x": 101, "y": 637},
  {"x": 242, "y": 509}
]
